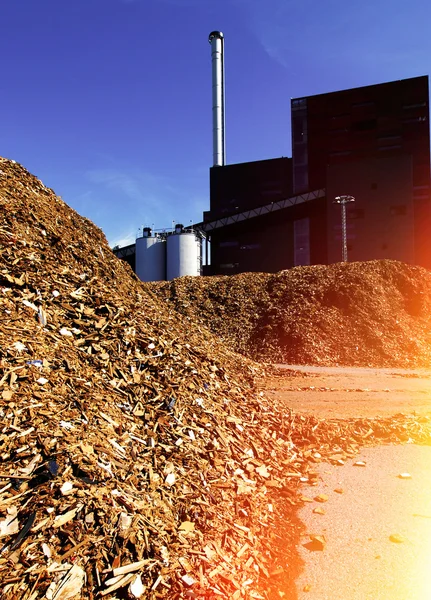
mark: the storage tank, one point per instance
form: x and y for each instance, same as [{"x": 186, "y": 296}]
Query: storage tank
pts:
[
  {"x": 183, "y": 253},
  {"x": 150, "y": 257}
]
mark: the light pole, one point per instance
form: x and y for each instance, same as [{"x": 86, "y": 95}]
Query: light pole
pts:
[{"x": 343, "y": 200}]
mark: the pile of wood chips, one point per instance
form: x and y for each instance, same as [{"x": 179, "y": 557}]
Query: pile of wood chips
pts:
[
  {"x": 137, "y": 458},
  {"x": 375, "y": 313}
]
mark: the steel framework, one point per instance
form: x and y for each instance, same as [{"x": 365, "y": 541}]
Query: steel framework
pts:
[{"x": 261, "y": 210}]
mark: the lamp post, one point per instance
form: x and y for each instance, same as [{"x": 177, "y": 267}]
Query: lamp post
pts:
[{"x": 343, "y": 200}]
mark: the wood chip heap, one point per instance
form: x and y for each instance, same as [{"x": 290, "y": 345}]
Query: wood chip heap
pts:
[
  {"x": 376, "y": 313},
  {"x": 137, "y": 458}
]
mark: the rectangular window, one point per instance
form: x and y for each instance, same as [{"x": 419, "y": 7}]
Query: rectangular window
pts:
[
  {"x": 340, "y": 153},
  {"x": 359, "y": 104},
  {"x": 414, "y": 120},
  {"x": 228, "y": 244},
  {"x": 410, "y": 106},
  {"x": 343, "y": 117},
  {"x": 393, "y": 147},
  {"x": 364, "y": 125},
  {"x": 338, "y": 130},
  {"x": 389, "y": 138},
  {"x": 299, "y": 103},
  {"x": 250, "y": 247}
]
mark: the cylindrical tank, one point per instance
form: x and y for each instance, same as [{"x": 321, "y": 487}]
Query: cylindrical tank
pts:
[
  {"x": 150, "y": 257},
  {"x": 183, "y": 254}
]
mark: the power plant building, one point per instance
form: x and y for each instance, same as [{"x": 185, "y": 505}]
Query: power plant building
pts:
[{"x": 371, "y": 143}]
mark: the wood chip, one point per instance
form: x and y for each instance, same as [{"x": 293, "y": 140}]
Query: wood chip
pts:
[{"x": 91, "y": 455}]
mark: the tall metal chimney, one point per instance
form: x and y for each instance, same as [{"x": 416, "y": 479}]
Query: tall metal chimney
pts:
[{"x": 216, "y": 40}]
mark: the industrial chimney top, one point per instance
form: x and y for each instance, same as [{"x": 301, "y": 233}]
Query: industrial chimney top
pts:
[
  {"x": 216, "y": 39},
  {"x": 215, "y": 34}
]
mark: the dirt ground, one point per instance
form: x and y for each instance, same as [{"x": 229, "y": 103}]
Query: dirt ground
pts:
[
  {"x": 359, "y": 560},
  {"x": 364, "y": 506},
  {"x": 345, "y": 392}
]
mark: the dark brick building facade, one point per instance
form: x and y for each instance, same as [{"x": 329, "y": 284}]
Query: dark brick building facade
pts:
[{"x": 372, "y": 142}]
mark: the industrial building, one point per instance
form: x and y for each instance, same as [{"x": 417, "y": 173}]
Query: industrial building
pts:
[{"x": 372, "y": 143}]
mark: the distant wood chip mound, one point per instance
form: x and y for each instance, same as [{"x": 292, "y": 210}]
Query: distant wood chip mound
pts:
[{"x": 375, "y": 313}]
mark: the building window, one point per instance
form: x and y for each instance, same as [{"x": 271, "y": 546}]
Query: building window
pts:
[
  {"x": 392, "y": 147},
  {"x": 389, "y": 137},
  {"x": 358, "y": 104},
  {"x": 398, "y": 210},
  {"x": 415, "y": 120},
  {"x": 343, "y": 117},
  {"x": 338, "y": 130},
  {"x": 421, "y": 192},
  {"x": 364, "y": 125},
  {"x": 250, "y": 247},
  {"x": 228, "y": 244},
  {"x": 410, "y": 106},
  {"x": 299, "y": 103},
  {"x": 340, "y": 153}
]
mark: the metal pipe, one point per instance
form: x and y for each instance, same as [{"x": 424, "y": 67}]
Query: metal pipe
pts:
[{"x": 216, "y": 39}]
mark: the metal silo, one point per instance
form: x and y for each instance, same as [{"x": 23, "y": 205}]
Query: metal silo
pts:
[
  {"x": 183, "y": 253},
  {"x": 150, "y": 257}
]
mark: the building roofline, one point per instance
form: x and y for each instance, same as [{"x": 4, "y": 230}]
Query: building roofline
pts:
[
  {"x": 250, "y": 162},
  {"x": 362, "y": 87}
]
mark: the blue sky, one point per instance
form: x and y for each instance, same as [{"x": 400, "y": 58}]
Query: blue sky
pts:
[{"x": 109, "y": 101}]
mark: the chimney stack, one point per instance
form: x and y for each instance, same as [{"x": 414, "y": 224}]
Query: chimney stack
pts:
[{"x": 216, "y": 40}]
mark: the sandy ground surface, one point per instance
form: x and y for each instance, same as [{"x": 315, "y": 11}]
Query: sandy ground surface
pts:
[
  {"x": 359, "y": 561},
  {"x": 344, "y": 392}
]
